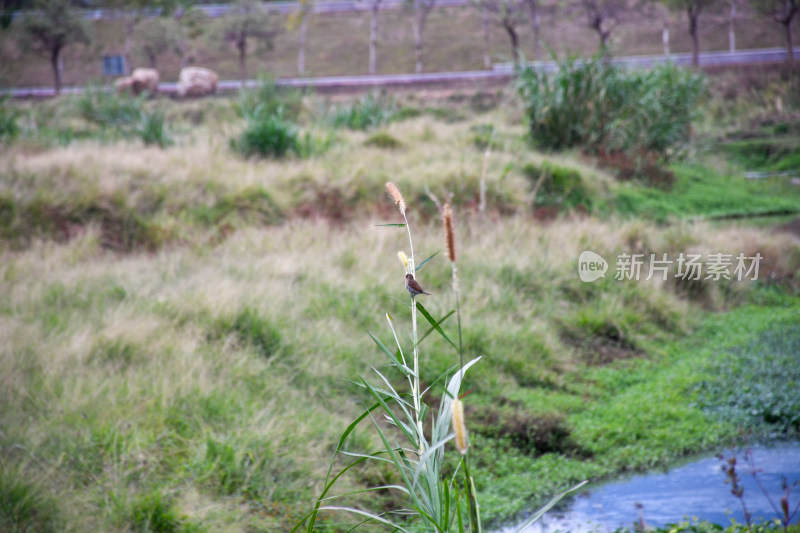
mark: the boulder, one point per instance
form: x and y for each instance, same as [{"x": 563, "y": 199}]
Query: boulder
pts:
[
  {"x": 145, "y": 79},
  {"x": 123, "y": 85},
  {"x": 197, "y": 81},
  {"x": 140, "y": 80}
]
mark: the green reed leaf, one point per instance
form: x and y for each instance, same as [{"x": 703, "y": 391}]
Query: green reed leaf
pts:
[{"x": 435, "y": 324}]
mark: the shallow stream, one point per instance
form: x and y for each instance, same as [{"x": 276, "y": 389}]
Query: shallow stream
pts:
[{"x": 695, "y": 488}]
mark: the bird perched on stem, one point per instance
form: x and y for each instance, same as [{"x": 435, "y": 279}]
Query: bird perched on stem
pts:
[{"x": 414, "y": 287}]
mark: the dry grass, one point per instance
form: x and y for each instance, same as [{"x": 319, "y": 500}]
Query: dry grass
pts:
[
  {"x": 99, "y": 342},
  {"x": 212, "y": 370}
]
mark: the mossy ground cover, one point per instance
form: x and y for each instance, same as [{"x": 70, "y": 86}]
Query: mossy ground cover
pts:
[
  {"x": 181, "y": 325},
  {"x": 686, "y": 397}
]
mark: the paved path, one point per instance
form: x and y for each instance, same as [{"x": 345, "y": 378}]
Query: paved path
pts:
[{"x": 499, "y": 74}]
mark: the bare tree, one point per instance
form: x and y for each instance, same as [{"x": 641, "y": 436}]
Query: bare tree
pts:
[
  {"x": 421, "y": 8},
  {"x": 248, "y": 22},
  {"x": 782, "y": 12},
  {"x": 53, "y": 26},
  {"x": 299, "y": 19},
  {"x": 191, "y": 23},
  {"x": 693, "y": 9},
  {"x": 604, "y": 16},
  {"x": 509, "y": 15},
  {"x": 534, "y": 6},
  {"x": 373, "y": 35},
  {"x": 156, "y": 37},
  {"x": 487, "y": 58},
  {"x": 731, "y": 25},
  {"x": 133, "y": 12}
]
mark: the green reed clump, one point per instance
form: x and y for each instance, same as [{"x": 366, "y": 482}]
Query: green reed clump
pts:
[
  {"x": 363, "y": 114},
  {"x": 269, "y": 100},
  {"x": 595, "y": 105},
  {"x": 152, "y": 129},
  {"x": 440, "y": 493},
  {"x": 122, "y": 116},
  {"x": 108, "y": 110},
  {"x": 269, "y": 136}
]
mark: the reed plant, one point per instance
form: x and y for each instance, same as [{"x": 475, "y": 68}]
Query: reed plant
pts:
[
  {"x": 439, "y": 499},
  {"x": 597, "y": 106},
  {"x": 364, "y": 114}
]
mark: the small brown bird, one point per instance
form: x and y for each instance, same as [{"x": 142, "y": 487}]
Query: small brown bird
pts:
[{"x": 413, "y": 286}]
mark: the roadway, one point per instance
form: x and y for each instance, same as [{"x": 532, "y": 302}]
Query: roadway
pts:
[{"x": 499, "y": 74}]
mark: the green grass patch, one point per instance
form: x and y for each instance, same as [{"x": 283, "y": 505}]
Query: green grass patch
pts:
[
  {"x": 363, "y": 114},
  {"x": 699, "y": 191},
  {"x": 766, "y": 154},
  {"x": 756, "y": 385},
  {"x": 646, "y": 412},
  {"x": 24, "y": 505},
  {"x": 557, "y": 186}
]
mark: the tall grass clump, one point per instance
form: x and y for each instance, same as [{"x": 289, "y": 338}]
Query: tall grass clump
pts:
[
  {"x": 272, "y": 114},
  {"x": 152, "y": 130},
  {"x": 122, "y": 116},
  {"x": 108, "y": 110},
  {"x": 594, "y": 105},
  {"x": 269, "y": 100},
  {"x": 267, "y": 136},
  {"x": 440, "y": 495},
  {"x": 9, "y": 128},
  {"x": 363, "y": 114}
]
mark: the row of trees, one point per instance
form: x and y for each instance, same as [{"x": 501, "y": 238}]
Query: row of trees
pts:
[
  {"x": 51, "y": 25},
  {"x": 604, "y": 16}
]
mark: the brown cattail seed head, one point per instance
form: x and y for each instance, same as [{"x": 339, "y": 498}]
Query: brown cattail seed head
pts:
[
  {"x": 394, "y": 192},
  {"x": 449, "y": 233},
  {"x": 459, "y": 427}
]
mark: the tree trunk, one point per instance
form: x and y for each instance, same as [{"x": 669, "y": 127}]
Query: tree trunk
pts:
[
  {"x": 535, "y": 23},
  {"x": 665, "y": 37},
  {"x": 373, "y": 36},
  {"x": 55, "y": 62},
  {"x": 182, "y": 52},
  {"x": 129, "y": 25},
  {"x": 789, "y": 46},
  {"x": 596, "y": 23},
  {"x": 487, "y": 58},
  {"x": 301, "y": 53},
  {"x": 242, "y": 46},
  {"x": 512, "y": 35},
  {"x": 692, "y": 14},
  {"x": 418, "y": 23},
  {"x": 604, "y": 35},
  {"x": 731, "y": 34}
]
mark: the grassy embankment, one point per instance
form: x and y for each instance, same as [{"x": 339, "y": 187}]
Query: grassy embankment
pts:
[{"x": 180, "y": 325}]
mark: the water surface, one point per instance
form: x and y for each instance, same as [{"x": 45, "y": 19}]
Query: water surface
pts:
[{"x": 695, "y": 489}]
